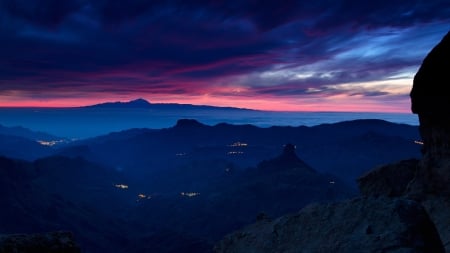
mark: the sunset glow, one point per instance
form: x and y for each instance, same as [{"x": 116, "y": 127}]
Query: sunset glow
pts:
[{"x": 278, "y": 57}]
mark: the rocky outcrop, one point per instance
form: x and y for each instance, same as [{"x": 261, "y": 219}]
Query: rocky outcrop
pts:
[
  {"x": 430, "y": 95},
  {"x": 359, "y": 225},
  {"x": 430, "y": 99},
  {"x": 288, "y": 160},
  {"x": 438, "y": 208},
  {"x": 55, "y": 242},
  {"x": 382, "y": 182},
  {"x": 390, "y": 180}
]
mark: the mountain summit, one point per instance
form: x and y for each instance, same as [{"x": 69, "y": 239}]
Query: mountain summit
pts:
[
  {"x": 142, "y": 103},
  {"x": 287, "y": 160},
  {"x": 137, "y": 103}
]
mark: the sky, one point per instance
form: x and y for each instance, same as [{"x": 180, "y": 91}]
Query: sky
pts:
[{"x": 321, "y": 55}]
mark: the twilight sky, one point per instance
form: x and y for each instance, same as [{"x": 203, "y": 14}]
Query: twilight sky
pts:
[{"x": 320, "y": 55}]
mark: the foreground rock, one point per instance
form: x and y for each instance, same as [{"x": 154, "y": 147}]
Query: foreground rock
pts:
[
  {"x": 390, "y": 180},
  {"x": 430, "y": 99},
  {"x": 382, "y": 182},
  {"x": 359, "y": 225},
  {"x": 55, "y": 242}
]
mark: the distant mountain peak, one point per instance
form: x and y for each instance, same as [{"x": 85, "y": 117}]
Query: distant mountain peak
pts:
[
  {"x": 188, "y": 123},
  {"x": 289, "y": 150},
  {"x": 136, "y": 103},
  {"x": 287, "y": 160},
  {"x": 142, "y": 103},
  {"x": 139, "y": 101}
]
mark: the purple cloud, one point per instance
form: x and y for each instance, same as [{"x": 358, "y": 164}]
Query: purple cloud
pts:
[{"x": 288, "y": 48}]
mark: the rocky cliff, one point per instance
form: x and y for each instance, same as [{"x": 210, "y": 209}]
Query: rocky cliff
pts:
[
  {"x": 404, "y": 207},
  {"x": 358, "y": 225},
  {"x": 430, "y": 99}
]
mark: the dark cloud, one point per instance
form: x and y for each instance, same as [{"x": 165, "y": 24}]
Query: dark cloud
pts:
[
  {"x": 48, "y": 13},
  {"x": 127, "y": 46}
]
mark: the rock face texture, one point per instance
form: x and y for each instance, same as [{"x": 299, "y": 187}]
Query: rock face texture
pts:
[
  {"x": 390, "y": 180},
  {"x": 55, "y": 242},
  {"x": 405, "y": 207},
  {"x": 359, "y": 225},
  {"x": 381, "y": 183}
]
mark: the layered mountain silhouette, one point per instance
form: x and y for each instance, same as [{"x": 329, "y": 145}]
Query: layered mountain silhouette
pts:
[
  {"x": 347, "y": 148},
  {"x": 141, "y": 190},
  {"x": 193, "y": 204},
  {"x": 23, "y": 132},
  {"x": 59, "y": 193},
  {"x": 350, "y": 148}
]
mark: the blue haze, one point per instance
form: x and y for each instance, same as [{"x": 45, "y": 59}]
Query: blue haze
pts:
[{"x": 82, "y": 123}]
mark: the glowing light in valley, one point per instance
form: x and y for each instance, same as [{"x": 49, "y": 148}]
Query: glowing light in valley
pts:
[
  {"x": 418, "y": 142},
  {"x": 142, "y": 196},
  {"x": 50, "y": 143},
  {"x": 238, "y": 144},
  {"x": 235, "y": 153},
  {"x": 121, "y": 186},
  {"x": 189, "y": 194}
]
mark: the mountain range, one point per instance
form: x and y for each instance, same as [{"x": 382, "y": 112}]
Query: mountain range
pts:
[
  {"x": 141, "y": 190},
  {"x": 194, "y": 204}
]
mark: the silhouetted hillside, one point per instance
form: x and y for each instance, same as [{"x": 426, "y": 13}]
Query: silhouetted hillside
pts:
[
  {"x": 59, "y": 193},
  {"x": 27, "y": 133},
  {"x": 142, "y": 103},
  {"x": 215, "y": 197},
  {"x": 346, "y": 149},
  {"x": 193, "y": 204},
  {"x": 22, "y": 148},
  {"x": 191, "y": 183}
]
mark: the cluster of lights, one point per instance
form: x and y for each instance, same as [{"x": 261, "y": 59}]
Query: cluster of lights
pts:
[
  {"x": 235, "y": 153},
  {"x": 142, "y": 196},
  {"x": 238, "y": 144},
  {"x": 181, "y": 154},
  {"x": 121, "y": 186},
  {"x": 49, "y": 143},
  {"x": 190, "y": 194},
  {"x": 418, "y": 142}
]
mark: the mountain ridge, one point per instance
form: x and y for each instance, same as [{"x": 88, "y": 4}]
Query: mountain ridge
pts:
[{"x": 144, "y": 104}]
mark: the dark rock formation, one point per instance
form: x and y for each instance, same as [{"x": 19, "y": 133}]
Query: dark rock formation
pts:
[
  {"x": 55, "y": 242},
  {"x": 390, "y": 180},
  {"x": 430, "y": 95},
  {"x": 288, "y": 160},
  {"x": 188, "y": 123},
  {"x": 383, "y": 182},
  {"x": 359, "y": 225},
  {"x": 430, "y": 99}
]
